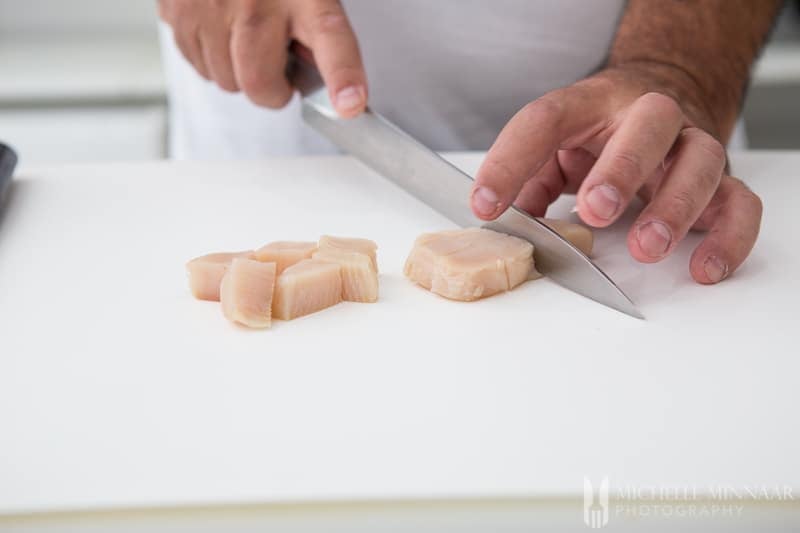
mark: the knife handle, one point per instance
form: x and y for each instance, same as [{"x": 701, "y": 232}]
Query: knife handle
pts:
[
  {"x": 8, "y": 161},
  {"x": 301, "y": 71}
]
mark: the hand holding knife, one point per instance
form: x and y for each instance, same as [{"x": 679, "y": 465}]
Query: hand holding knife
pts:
[{"x": 423, "y": 173}]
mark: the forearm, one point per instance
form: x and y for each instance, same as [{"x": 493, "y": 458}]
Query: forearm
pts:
[{"x": 702, "y": 49}]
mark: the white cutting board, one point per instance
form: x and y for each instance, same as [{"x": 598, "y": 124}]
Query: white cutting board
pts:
[{"x": 119, "y": 389}]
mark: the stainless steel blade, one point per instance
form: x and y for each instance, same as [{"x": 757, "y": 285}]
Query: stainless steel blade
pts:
[{"x": 396, "y": 155}]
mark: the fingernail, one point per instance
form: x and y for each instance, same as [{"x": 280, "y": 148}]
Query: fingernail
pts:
[
  {"x": 485, "y": 201},
  {"x": 715, "y": 268},
  {"x": 603, "y": 201},
  {"x": 654, "y": 238},
  {"x": 350, "y": 98}
]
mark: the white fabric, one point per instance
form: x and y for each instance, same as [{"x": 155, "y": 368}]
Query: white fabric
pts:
[{"x": 451, "y": 72}]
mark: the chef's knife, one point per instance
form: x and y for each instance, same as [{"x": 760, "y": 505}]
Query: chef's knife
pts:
[
  {"x": 8, "y": 160},
  {"x": 423, "y": 173}
]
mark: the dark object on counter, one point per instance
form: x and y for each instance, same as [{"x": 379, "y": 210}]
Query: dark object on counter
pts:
[{"x": 8, "y": 160}]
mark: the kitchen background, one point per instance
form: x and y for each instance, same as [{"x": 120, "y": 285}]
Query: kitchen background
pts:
[{"x": 81, "y": 80}]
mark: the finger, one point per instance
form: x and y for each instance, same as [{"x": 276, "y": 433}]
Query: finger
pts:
[
  {"x": 188, "y": 41},
  {"x": 216, "y": 39},
  {"x": 258, "y": 47},
  {"x": 735, "y": 219},
  {"x": 633, "y": 152},
  {"x": 683, "y": 195},
  {"x": 575, "y": 166},
  {"x": 323, "y": 27},
  {"x": 542, "y": 190},
  {"x": 561, "y": 118},
  {"x": 563, "y": 173}
]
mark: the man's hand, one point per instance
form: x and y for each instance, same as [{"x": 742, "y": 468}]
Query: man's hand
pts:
[
  {"x": 649, "y": 124},
  {"x": 243, "y": 44},
  {"x": 608, "y": 138}
]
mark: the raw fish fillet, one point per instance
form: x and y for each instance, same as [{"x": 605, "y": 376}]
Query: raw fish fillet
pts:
[
  {"x": 205, "y": 273},
  {"x": 246, "y": 292},
  {"x": 364, "y": 246},
  {"x": 471, "y": 263},
  {"x": 359, "y": 277},
  {"x": 306, "y": 287},
  {"x": 285, "y": 253},
  {"x": 579, "y": 235},
  {"x": 429, "y": 246}
]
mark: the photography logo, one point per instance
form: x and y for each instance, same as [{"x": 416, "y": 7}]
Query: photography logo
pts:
[{"x": 595, "y": 504}]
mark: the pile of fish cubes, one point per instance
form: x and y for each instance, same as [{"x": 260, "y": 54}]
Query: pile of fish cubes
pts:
[{"x": 286, "y": 279}]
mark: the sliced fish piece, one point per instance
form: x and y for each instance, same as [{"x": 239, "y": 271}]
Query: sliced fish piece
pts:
[
  {"x": 307, "y": 287},
  {"x": 285, "y": 253},
  {"x": 359, "y": 277},
  {"x": 429, "y": 246},
  {"x": 206, "y": 272},
  {"x": 364, "y": 246},
  {"x": 578, "y": 234},
  {"x": 470, "y": 264},
  {"x": 246, "y": 292}
]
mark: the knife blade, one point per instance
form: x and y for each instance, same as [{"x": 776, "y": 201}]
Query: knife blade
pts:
[{"x": 391, "y": 152}]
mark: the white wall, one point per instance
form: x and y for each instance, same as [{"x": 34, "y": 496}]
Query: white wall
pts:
[
  {"x": 81, "y": 80},
  {"x": 60, "y": 16}
]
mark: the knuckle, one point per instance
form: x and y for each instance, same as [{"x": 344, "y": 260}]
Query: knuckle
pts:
[
  {"x": 181, "y": 9},
  {"x": 598, "y": 85},
  {"x": 190, "y": 35},
  {"x": 345, "y": 75},
  {"x": 626, "y": 166},
  {"x": 708, "y": 178},
  {"x": 497, "y": 171},
  {"x": 548, "y": 109},
  {"x": 327, "y": 21},
  {"x": 706, "y": 143},
  {"x": 252, "y": 20},
  {"x": 683, "y": 204},
  {"x": 713, "y": 148},
  {"x": 251, "y": 16},
  {"x": 176, "y": 12},
  {"x": 662, "y": 102}
]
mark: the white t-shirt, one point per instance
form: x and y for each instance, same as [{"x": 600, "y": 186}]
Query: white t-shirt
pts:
[{"x": 450, "y": 72}]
